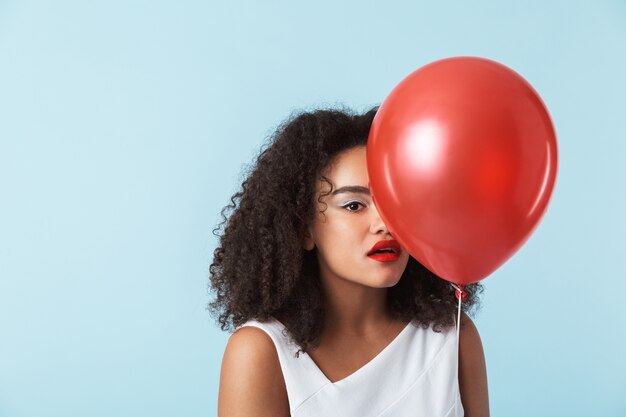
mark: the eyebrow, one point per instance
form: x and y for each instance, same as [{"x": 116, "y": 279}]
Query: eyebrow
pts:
[{"x": 352, "y": 189}]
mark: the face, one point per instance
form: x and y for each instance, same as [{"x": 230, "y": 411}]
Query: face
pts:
[{"x": 350, "y": 226}]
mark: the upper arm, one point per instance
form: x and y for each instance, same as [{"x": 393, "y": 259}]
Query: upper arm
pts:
[
  {"x": 251, "y": 381},
  {"x": 472, "y": 371}
]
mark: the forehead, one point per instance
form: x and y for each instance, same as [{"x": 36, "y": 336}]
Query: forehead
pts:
[{"x": 348, "y": 168}]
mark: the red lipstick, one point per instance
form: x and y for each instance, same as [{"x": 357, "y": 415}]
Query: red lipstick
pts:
[{"x": 385, "y": 251}]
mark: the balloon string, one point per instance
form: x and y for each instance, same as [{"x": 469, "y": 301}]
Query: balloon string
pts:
[{"x": 459, "y": 293}]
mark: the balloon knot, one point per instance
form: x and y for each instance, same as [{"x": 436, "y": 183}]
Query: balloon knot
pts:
[{"x": 460, "y": 293}]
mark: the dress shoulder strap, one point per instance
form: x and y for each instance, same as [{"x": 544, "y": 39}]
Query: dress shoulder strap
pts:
[{"x": 302, "y": 377}]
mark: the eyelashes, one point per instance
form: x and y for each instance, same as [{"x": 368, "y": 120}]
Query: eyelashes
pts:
[{"x": 352, "y": 206}]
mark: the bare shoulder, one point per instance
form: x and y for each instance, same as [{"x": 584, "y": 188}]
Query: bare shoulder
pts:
[
  {"x": 251, "y": 381},
  {"x": 469, "y": 328},
  {"x": 472, "y": 371}
]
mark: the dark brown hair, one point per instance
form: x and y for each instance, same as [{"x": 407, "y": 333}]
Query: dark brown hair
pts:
[{"x": 260, "y": 269}]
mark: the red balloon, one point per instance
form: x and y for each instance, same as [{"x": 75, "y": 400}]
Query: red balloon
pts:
[{"x": 462, "y": 161}]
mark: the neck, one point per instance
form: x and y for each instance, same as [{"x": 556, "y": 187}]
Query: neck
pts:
[{"x": 354, "y": 309}]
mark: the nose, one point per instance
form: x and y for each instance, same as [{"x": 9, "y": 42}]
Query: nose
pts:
[{"x": 377, "y": 225}]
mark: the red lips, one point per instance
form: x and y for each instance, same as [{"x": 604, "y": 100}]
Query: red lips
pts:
[{"x": 391, "y": 255}]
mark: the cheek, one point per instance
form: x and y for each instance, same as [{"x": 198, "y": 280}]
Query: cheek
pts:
[
  {"x": 339, "y": 239},
  {"x": 405, "y": 259}
]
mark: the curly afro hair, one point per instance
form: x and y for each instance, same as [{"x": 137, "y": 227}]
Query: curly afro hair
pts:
[{"x": 260, "y": 269}]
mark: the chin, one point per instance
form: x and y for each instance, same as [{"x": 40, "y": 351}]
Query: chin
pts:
[{"x": 385, "y": 282}]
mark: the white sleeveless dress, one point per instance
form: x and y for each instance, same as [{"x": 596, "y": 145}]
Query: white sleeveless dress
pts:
[{"x": 414, "y": 376}]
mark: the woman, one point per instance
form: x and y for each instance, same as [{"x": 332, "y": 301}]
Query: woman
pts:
[{"x": 332, "y": 316}]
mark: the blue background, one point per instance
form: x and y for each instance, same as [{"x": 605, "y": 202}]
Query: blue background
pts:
[{"x": 126, "y": 126}]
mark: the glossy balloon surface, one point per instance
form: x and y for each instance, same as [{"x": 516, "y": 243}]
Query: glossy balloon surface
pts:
[{"x": 462, "y": 161}]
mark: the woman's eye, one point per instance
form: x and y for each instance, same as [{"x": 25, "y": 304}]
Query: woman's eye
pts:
[{"x": 352, "y": 206}]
